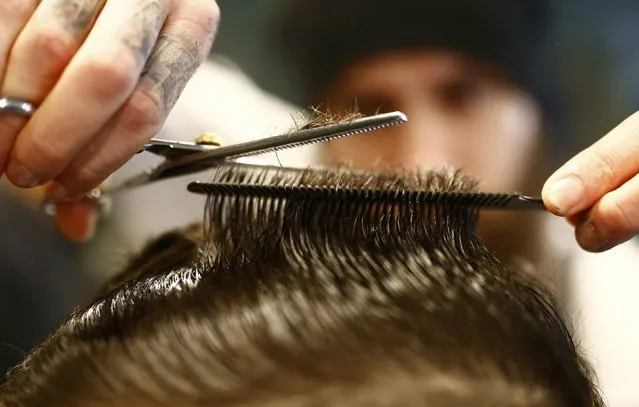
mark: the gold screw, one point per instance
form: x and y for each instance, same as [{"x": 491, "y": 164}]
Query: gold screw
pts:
[{"x": 208, "y": 139}]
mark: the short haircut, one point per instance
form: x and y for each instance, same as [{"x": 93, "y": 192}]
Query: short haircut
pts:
[{"x": 336, "y": 297}]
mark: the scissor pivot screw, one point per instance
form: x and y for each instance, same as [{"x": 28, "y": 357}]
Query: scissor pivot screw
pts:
[{"x": 208, "y": 139}]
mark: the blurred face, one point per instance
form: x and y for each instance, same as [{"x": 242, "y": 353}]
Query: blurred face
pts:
[{"x": 459, "y": 114}]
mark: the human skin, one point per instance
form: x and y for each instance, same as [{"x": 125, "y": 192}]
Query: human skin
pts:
[
  {"x": 104, "y": 75},
  {"x": 598, "y": 189},
  {"x": 460, "y": 114}
]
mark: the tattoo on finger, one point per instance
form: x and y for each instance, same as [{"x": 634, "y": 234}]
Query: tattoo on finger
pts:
[
  {"x": 141, "y": 31},
  {"x": 77, "y": 16},
  {"x": 169, "y": 68}
]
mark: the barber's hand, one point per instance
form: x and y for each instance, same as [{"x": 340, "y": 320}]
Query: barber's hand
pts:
[
  {"x": 598, "y": 190},
  {"x": 76, "y": 219},
  {"x": 105, "y": 74}
]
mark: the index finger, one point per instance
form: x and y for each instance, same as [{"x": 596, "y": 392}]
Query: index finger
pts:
[
  {"x": 92, "y": 88},
  {"x": 599, "y": 169}
]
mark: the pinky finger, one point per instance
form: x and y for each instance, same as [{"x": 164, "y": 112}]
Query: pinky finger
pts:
[
  {"x": 77, "y": 220},
  {"x": 613, "y": 220}
]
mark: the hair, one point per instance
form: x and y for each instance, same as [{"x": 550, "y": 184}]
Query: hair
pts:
[{"x": 343, "y": 299}]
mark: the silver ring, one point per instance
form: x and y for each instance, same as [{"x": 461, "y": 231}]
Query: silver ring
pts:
[{"x": 16, "y": 106}]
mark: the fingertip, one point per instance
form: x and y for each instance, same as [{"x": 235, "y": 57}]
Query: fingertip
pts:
[
  {"x": 550, "y": 204},
  {"x": 563, "y": 196},
  {"x": 587, "y": 237},
  {"x": 20, "y": 175},
  {"x": 592, "y": 239},
  {"x": 77, "y": 220}
]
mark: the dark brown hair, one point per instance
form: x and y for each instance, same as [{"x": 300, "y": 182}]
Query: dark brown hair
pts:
[{"x": 344, "y": 300}]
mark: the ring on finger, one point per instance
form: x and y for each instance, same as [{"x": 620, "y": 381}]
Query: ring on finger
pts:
[{"x": 16, "y": 106}]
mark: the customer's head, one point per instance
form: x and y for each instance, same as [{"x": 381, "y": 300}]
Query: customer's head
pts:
[
  {"x": 314, "y": 300},
  {"x": 470, "y": 74},
  {"x": 475, "y": 78}
]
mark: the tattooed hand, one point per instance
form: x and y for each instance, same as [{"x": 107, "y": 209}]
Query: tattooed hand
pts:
[{"x": 104, "y": 74}]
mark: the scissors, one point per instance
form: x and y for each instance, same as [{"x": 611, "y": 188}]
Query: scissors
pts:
[
  {"x": 205, "y": 152},
  {"x": 184, "y": 158}
]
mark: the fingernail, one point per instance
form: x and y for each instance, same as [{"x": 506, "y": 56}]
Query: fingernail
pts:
[
  {"x": 21, "y": 176},
  {"x": 564, "y": 195}
]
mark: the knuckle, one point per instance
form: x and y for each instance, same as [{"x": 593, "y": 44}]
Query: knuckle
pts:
[
  {"x": 40, "y": 156},
  {"x": 144, "y": 112},
  {"x": 111, "y": 78},
  {"x": 10, "y": 127},
  {"x": 622, "y": 217},
  {"x": 205, "y": 16},
  {"x": 208, "y": 11},
  {"x": 614, "y": 218},
  {"x": 78, "y": 179},
  {"x": 213, "y": 12},
  {"x": 19, "y": 9},
  {"x": 606, "y": 164},
  {"x": 53, "y": 47}
]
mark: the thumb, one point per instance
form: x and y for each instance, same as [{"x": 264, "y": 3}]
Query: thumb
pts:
[{"x": 596, "y": 171}]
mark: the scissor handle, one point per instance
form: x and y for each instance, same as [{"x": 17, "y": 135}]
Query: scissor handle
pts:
[{"x": 197, "y": 161}]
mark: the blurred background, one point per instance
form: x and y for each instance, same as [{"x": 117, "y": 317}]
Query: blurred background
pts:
[
  {"x": 596, "y": 39},
  {"x": 254, "y": 94}
]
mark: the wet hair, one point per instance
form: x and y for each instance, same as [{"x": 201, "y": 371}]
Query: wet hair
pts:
[{"x": 335, "y": 298}]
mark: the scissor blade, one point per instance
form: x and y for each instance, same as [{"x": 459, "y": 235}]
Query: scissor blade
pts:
[
  {"x": 132, "y": 182},
  {"x": 205, "y": 160},
  {"x": 304, "y": 137}
]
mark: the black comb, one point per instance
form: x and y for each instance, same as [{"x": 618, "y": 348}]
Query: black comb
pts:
[{"x": 480, "y": 200}]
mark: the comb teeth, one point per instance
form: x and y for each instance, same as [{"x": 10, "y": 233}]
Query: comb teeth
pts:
[{"x": 470, "y": 199}]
